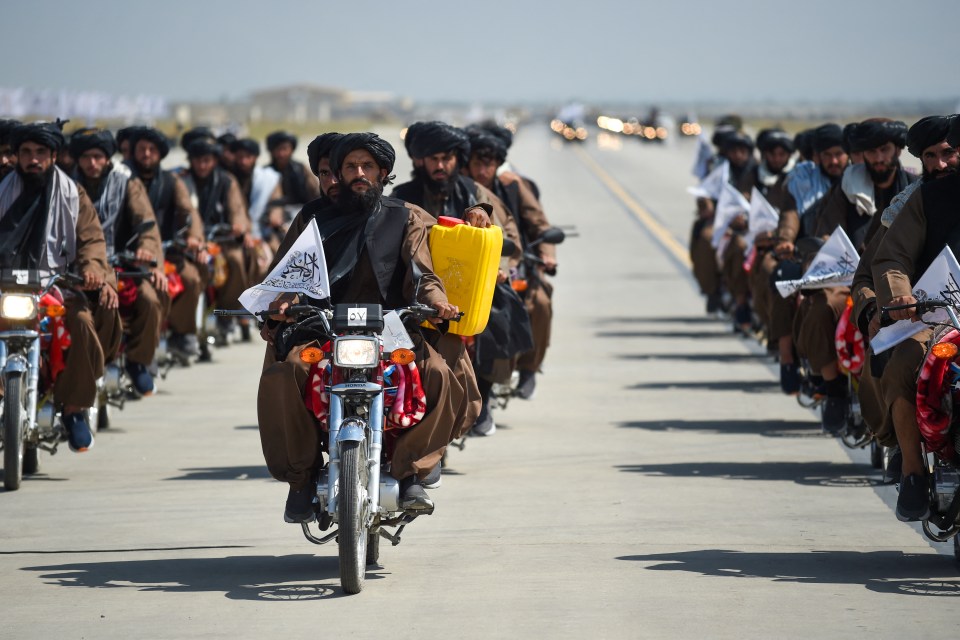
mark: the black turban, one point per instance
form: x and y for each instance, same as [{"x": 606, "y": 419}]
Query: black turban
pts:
[
  {"x": 769, "y": 139},
  {"x": 226, "y": 140},
  {"x": 380, "y": 149},
  {"x": 737, "y": 139},
  {"x": 953, "y": 137},
  {"x": 197, "y": 133},
  {"x": 245, "y": 144},
  {"x": 730, "y": 120},
  {"x": 203, "y": 147},
  {"x": 320, "y": 148},
  {"x": 46, "y": 134},
  {"x": 7, "y": 126},
  {"x": 486, "y": 144},
  {"x": 151, "y": 135},
  {"x": 877, "y": 132},
  {"x": 826, "y": 136},
  {"x": 127, "y": 133},
  {"x": 83, "y": 141},
  {"x": 277, "y": 138},
  {"x": 427, "y": 138},
  {"x": 501, "y": 132},
  {"x": 721, "y": 133},
  {"x": 803, "y": 141},
  {"x": 928, "y": 132}
]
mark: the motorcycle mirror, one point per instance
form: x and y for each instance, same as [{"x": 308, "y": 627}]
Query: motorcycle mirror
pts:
[
  {"x": 144, "y": 226},
  {"x": 553, "y": 235},
  {"x": 509, "y": 247}
]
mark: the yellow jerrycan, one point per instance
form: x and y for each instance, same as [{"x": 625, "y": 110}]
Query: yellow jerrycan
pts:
[{"x": 466, "y": 260}]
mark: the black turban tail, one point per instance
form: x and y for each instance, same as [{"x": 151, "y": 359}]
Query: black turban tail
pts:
[
  {"x": 826, "y": 136},
  {"x": 871, "y": 134},
  {"x": 46, "y": 134},
  {"x": 953, "y": 137},
  {"x": 380, "y": 149},
  {"x": 928, "y": 132},
  {"x": 501, "y": 132},
  {"x": 277, "y": 138},
  {"x": 152, "y": 135},
  {"x": 246, "y": 144},
  {"x": 320, "y": 148},
  {"x": 427, "y": 138},
  {"x": 92, "y": 139}
]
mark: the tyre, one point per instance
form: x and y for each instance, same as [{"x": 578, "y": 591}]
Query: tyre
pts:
[
  {"x": 103, "y": 417},
  {"x": 956, "y": 548},
  {"x": 876, "y": 455},
  {"x": 373, "y": 548},
  {"x": 351, "y": 508},
  {"x": 13, "y": 432}
]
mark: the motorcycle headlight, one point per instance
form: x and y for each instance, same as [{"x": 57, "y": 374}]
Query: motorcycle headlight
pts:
[
  {"x": 356, "y": 353},
  {"x": 18, "y": 306}
]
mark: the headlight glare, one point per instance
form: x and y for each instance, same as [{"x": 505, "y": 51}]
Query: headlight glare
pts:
[
  {"x": 357, "y": 353},
  {"x": 18, "y": 306}
]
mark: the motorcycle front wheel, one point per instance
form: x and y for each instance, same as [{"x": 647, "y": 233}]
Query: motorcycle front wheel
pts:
[
  {"x": 13, "y": 432},
  {"x": 352, "y": 536}
]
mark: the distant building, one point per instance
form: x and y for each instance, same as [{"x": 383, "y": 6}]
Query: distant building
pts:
[{"x": 296, "y": 103}]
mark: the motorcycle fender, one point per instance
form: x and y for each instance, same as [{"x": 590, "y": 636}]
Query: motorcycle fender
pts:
[
  {"x": 351, "y": 432},
  {"x": 15, "y": 363}
]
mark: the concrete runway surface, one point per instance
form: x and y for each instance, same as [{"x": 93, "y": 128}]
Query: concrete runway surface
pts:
[{"x": 658, "y": 486}]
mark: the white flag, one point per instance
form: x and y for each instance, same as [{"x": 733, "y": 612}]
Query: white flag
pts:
[
  {"x": 940, "y": 280},
  {"x": 303, "y": 270},
  {"x": 730, "y": 204},
  {"x": 762, "y": 217},
  {"x": 711, "y": 186},
  {"x": 702, "y": 162},
  {"x": 833, "y": 266}
]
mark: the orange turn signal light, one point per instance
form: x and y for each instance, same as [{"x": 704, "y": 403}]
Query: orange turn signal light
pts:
[
  {"x": 56, "y": 311},
  {"x": 519, "y": 285},
  {"x": 311, "y": 355},
  {"x": 169, "y": 267},
  {"x": 402, "y": 356},
  {"x": 213, "y": 248},
  {"x": 944, "y": 351}
]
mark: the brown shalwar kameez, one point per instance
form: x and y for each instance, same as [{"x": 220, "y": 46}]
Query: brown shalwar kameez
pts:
[{"x": 289, "y": 434}]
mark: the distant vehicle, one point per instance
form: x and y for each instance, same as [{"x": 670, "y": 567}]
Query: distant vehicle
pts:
[
  {"x": 570, "y": 131},
  {"x": 689, "y": 126}
]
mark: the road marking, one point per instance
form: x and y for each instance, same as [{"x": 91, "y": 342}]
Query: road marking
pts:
[{"x": 666, "y": 239}]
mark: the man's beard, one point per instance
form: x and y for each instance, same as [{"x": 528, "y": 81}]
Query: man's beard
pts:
[
  {"x": 439, "y": 187},
  {"x": 879, "y": 177},
  {"x": 366, "y": 202},
  {"x": 34, "y": 180},
  {"x": 144, "y": 172},
  {"x": 930, "y": 176}
]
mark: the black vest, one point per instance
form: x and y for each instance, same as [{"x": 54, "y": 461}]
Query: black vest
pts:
[
  {"x": 941, "y": 208},
  {"x": 463, "y": 195},
  {"x": 160, "y": 192}
]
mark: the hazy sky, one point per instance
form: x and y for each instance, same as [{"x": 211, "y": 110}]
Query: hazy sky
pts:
[{"x": 502, "y": 50}]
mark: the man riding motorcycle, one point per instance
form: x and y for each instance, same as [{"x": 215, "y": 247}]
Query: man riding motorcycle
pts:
[
  {"x": 370, "y": 244},
  {"x": 122, "y": 204},
  {"x": 48, "y": 223}
]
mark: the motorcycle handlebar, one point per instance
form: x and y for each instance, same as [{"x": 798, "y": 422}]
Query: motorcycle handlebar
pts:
[{"x": 922, "y": 307}]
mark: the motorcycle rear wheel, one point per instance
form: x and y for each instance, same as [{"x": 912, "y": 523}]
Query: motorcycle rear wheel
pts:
[
  {"x": 352, "y": 536},
  {"x": 876, "y": 455},
  {"x": 13, "y": 432}
]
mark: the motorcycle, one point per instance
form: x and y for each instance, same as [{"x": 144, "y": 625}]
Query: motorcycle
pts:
[
  {"x": 219, "y": 237},
  {"x": 355, "y": 490},
  {"x": 31, "y": 351},
  {"x": 117, "y": 386},
  {"x": 526, "y": 277},
  {"x": 938, "y": 392}
]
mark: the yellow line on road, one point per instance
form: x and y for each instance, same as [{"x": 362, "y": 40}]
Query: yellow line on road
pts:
[{"x": 660, "y": 232}]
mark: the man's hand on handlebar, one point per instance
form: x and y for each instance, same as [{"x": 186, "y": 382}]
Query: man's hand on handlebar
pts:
[
  {"x": 109, "y": 298},
  {"x": 910, "y": 313},
  {"x": 279, "y": 306},
  {"x": 159, "y": 280},
  {"x": 145, "y": 256},
  {"x": 92, "y": 280},
  {"x": 446, "y": 311},
  {"x": 549, "y": 263},
  {"x": 784, "y": 249}
]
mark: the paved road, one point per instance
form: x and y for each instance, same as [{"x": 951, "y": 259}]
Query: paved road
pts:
[{"x": 658, "y": 486}]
